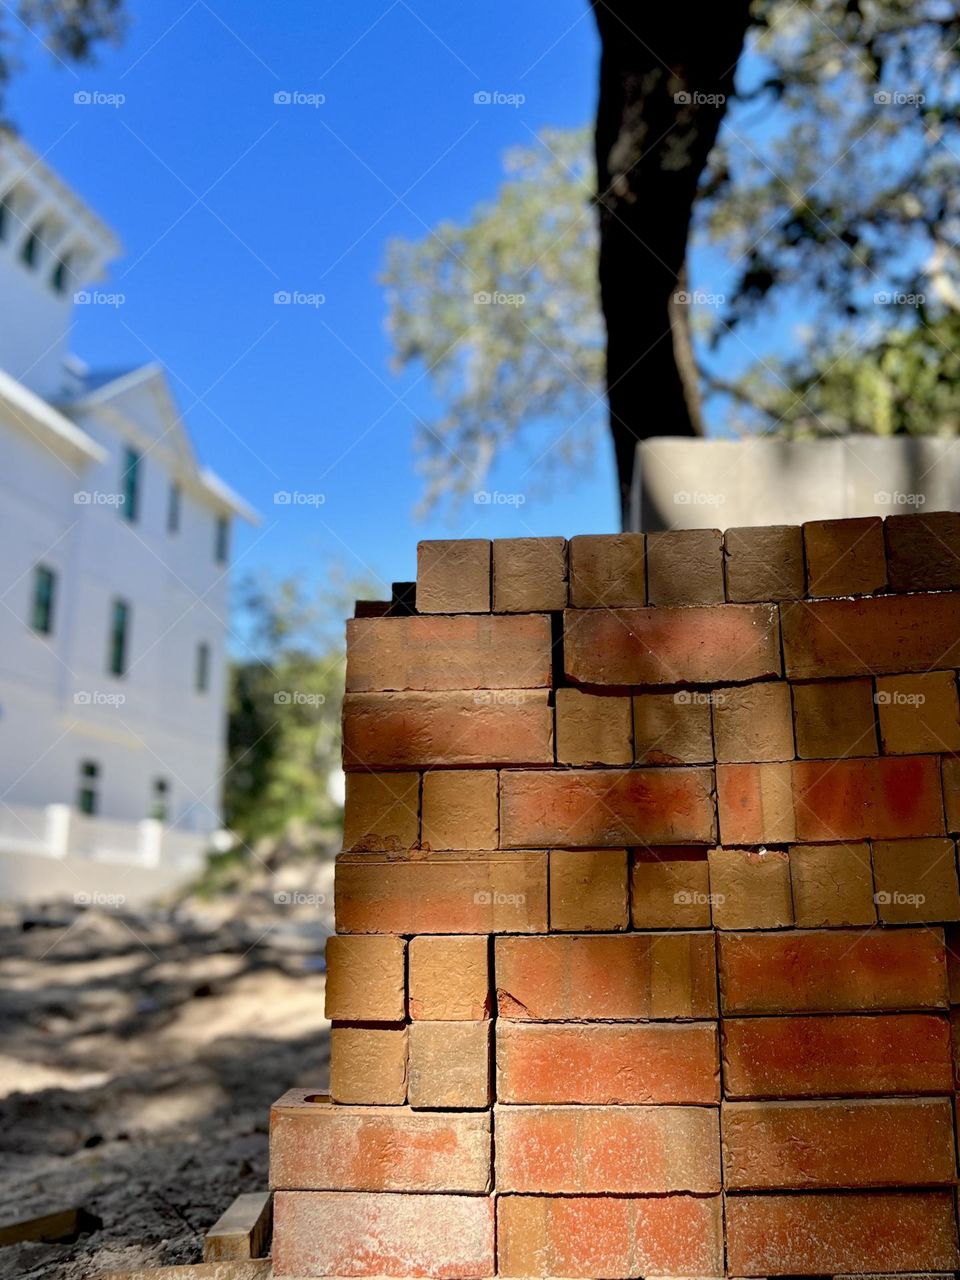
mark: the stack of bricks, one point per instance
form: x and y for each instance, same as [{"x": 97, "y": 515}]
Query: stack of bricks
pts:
[{"x": 644, "y": 919}]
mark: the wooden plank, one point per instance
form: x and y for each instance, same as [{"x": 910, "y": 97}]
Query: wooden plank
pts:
[
  {"x": 242, "y": 1232},
  {"x": 50, "y": 1228}
]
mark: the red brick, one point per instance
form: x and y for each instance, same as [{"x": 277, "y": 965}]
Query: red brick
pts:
[
  {"x": 409, "y": 730},
  {"x": 319, "y": 1147},
  {"x": 529, "y": 574},
  {"x": 854, "y": 1055},
  {"x": 346, "y": 1233},
  {"x": 832, "y": 970},
  {"x": 608, "y": 1064},
  {"x": 449, "y": 1065},
  {"x": 845, "y": 557},
  {"x": 368, "y": 1065},
  {"x": 449, "y": 979},
  {"x": 365, "y": 979},
  {"x": 870, "y": 637},
  {"x": 579, "y": 1150},
  {"x": 755, "y": 803},
  {"x": 923, "y": 551},
  {"x": 447, "y": 653},
  {"x": 460, "y": 809},
  {"x": 602, "y": 808},
  {"x": 685, "y": 566},
  {"x": 684, "y": 645},
  {"x": 616, "y": 977},
  {"x": 820, "y": 1234},
  {"x": 607, "y": 571},
  {"x": 453, "y": 576},
  {"x": 475, "y": 892},
  {"x": 615, "y": 1237},
  {"x": 951, "y": 791},
  {"x": 785, "y": 1146},
  {"x": 764, "y": 563},
  {"x": 381, "y": 811}
]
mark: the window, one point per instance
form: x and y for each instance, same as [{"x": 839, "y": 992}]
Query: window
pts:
[
  {"x": 60, "y": 277},
  {"x": 30, "y": 250},
  {"x": 161, "y": 795},
  {"x": 44, "y": 590},
  {"x": 87, "y": 798},
  {"x": 202, "y": 675},
  {"x": 173, "y": 509},
  {"x": 222, "y": 546},
  {"x": 6, "y": 214},
  {"x": 119, "y": 636},
  {"x": 130, "y": 485}
]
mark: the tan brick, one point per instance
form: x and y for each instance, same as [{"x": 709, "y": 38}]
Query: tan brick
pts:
[
  {"x": 365, "y": 979},
  {"x": 764, "y": 563},
  {"x": 923, "y": 551},
  {"x": 750, "y": 889},
  {"x": 685, "y": 566},
  {"x": 460, "y": 809},
  {"x": 453, "y": 577},
  {"x": 450, "y": 1065},
  {"x": 449, "y": 978},
  {"x": 368, "y": 1065},
  {"x": 670, "y": 888},
  {"x": 529, "y": 574},
  {"x": 755, "y": 803},
  {"x": 672, "y": 728},
  {"x": 919, "y": 712},
  {"x": 588, "y": 889},
  {"x": 916, "y": 881},
  {"x": 832, "y": 885},
  {"x": 607, "y": 571},
  {"x": 593, "y": 729},
  {"x": 834, "y": 718},
  {"x": 753, "y": 722},
  {"x": 381, "y": 811},
  {"x": 845, "y": 557},
  {"x": 951, "y": 791}
]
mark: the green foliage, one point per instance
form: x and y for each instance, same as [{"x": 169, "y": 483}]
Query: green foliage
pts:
[{"x": 71, "y": 29}]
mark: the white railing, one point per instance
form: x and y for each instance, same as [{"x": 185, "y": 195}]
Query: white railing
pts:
[{"x": 59, "y": 831}]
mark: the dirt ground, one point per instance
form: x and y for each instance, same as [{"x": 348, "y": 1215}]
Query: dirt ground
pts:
[{"x": 139, "y": 1056}]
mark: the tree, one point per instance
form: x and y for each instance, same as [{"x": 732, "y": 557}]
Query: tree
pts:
[{"x": 71, "y": 29}]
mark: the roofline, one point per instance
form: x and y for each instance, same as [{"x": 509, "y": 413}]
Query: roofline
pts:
[
  {"x": 226, "y": 497},
  {"x": 116, "y": 386},
  {"x": 28, "y": 408}
]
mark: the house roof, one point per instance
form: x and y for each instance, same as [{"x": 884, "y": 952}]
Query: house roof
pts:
[{"x": 45, "y": 423}]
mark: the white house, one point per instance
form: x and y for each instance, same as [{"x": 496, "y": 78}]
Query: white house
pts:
[{"x": 113, "y": 581}]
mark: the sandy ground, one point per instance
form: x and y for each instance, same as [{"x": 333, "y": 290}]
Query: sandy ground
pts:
[{"x": 139, "y": 1055}]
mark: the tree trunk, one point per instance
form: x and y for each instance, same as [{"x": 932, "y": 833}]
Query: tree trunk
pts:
[{"x": 666, "y": 73}]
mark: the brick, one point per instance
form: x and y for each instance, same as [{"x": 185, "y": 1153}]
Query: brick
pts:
[
  {"x": 368, "y": 1065},
  {"x": 923, "y": 551},
  {"x": 619, "y": 977},
  {"x": 607, "y": 1064},
  {"x": 852, "y": 1055},
  {"x": 318, "y": 1147},
  {"x": 431, "y": 654},
  {"x": 951, "y": 791},
  {"x": 453, "y": 577},
  {"x": 707, "y": 645},
  {"x": 593, "y": 729},
  {"x": 365, "y": 979},
  {"x": 845, "y": 557},
  {"x": 784, "y": 1146},
  {"x": 529, "y": 574},
  {"x": 952, "y": 943},
  {"x": 406, "y": 730},
  {"x": 670, "y": 888},
  {"x": 834, "y": 718},
  {"x": 449, "y": 1065},
  {"x": 672, "y": 728},
  {"x": 685, "y": 566},
  {"x": 346, "y": 1233},
  {"x": 919, "y": 712},
  {"x": 607, "y": 571},
  {"x": 579, "y": 1149},
  {"x": 750, "y": 889},
  {"x": 832, "y": 970},
  {"x": 449, "y": 979},
  {"x": 615, "y": 1237},
  {"x": 832, "y": 885},
  {"x": 764, "y": 563},
  {"x": 753, "y": 722},
  {"x": 473, "y": 892},
  {"x": 916, "y": 881},
  {"x": 461, "y": 809},
  {"x": 588, "y": 889},
  {"x": 755, "y": 803},
  {"x": 820, "y": 1234},
  {"x": 381, "y": 811},
  {"x": 603, "y": 808},
  {"x": 870, "y": 637}
]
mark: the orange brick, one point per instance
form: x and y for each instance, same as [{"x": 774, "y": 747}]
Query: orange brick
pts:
[
  {"x": 603, "y": 808},
  {"x": 588, "y": 889},
  {"x": 919, "y": 713},
  {"x": 449, "y": 1065},
  {"x": 672, "y": 728},
  {"x": 951, "y": 791},
  {"x": 916, "y": 881},
  {"x": 670, "y": 888},
  {"x": 923, "y": 551},
  {"x": 381, "y": 811},
  {"x": 619, "y": 977},
  {"x": 832, "y": 970},
  {"x": 603, "y": 1063},
  {"x": 832, "y": 885},
  {"x": 460, "y": 809},
  {"x": 821, "y": 1056},
  {"x": 834, "y": 718},
  {"x": 607, "y": 571},
  {"x": 750, "y": 889},
  {"x": 474, "y": 892},
  {"x": 579, "y": 1150},
  {"x": 405, "y": 730},
  {"x": 755, "y": 803},
  {"x": 529, "y": 574},
  {"x": 365, "y": 979},
  {"x": 453, "y": 577},
  {"x": 707, "y": 645},
  {"x": 592, "y": 729},
  {"x": 764, "y": 563},
  {"x": 449, "y": 978},
  {"x": 685, "y": 566},
  {"x": 753, "y": 722},
  {"x": 845, "y": 557},
  {"x": 368, "y": 1065},
  {"x": 318, "y": 1147}
]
